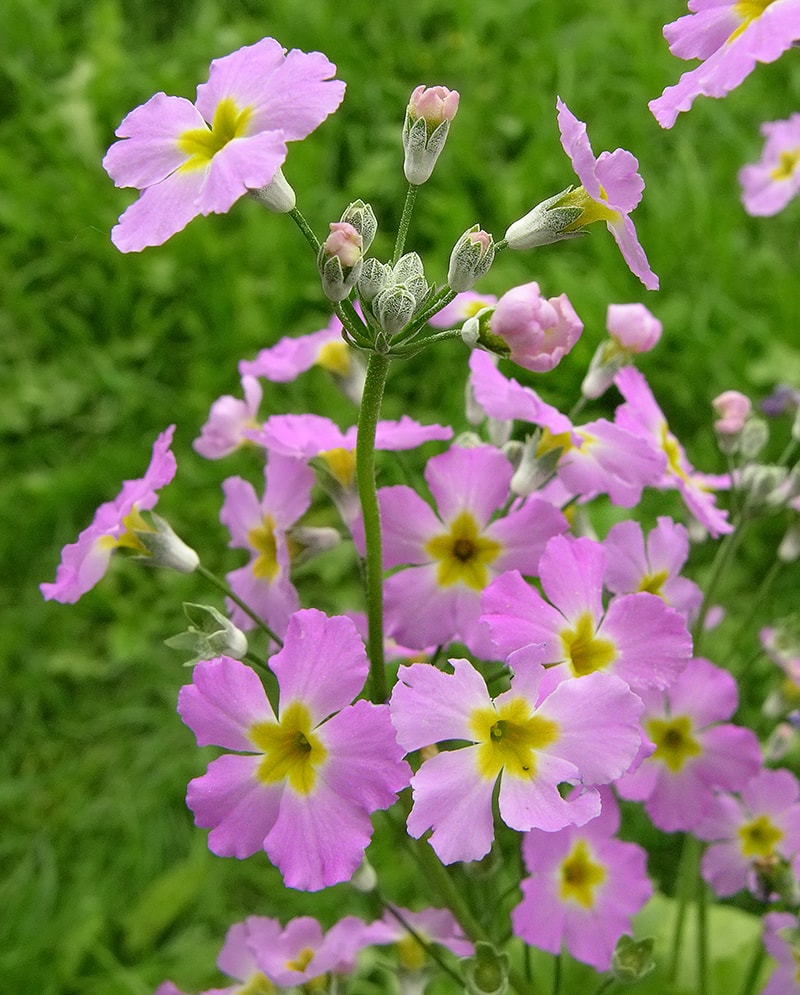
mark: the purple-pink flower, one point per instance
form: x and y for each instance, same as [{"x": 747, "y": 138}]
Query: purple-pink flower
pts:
[
  {"x": 697, "y": 751},
  {"x": 301, "y": 784},
  {"x": 583, "y": 887},
  {"x": 610, "y": 189},
  {"x": 731, "y": 37},
  {"x": 84, "y": 562},
  {"x": 227, "y": 420},
  {"x": 463, "y": 306},
  {"x": 757, "y": 828},
  {"x": 538, "y": 331},
  {"x": 637, "y": 637},
  {"x": 769, "y": 184},
  {"x": 782, "y": 941},
  {"x": 458, "y": 549},
  {"x": 584, "y": 732},
  {"x": 190, "y": 159}
]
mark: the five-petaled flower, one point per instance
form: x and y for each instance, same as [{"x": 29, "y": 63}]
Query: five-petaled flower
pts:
[
  {"x": 189, "y": 159},
  {"x": 769, "y": 184},
  {"x": 304, "y": 781}
]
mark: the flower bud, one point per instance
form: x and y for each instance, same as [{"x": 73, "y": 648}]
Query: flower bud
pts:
[
  {"x": 340, "y": 260},
  {"x": 210, "y": 634},
  {"x": 362, "y": 218},
  {"x": 470, "y": 259},
  {"x": 632, "y": 960},
  {"x": 547, "y": 222},
  {"x": 375, "y": 275},
  {"x": 427, "y": 121},
  {"x": 394, "y": 308},
  {"x": 163, "y": 548},
  {"x": 733, "y": 409},
  {"x": 486, "y": 973},
  {"x": 633, "y": 327},
  {"x": 307, "y": 541},
  {"x": 277, "y": 195}
]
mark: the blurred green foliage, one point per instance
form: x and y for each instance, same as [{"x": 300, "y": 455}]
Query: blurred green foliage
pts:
[{"x": 105, "y": 887}]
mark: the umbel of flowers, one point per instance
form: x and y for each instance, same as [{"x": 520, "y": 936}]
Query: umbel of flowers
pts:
[{"x": 540, "y": 671}]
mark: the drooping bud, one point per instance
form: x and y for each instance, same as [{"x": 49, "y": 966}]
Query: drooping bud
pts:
[
  {"x": 210, "y": 634},
  {"x": 428, "y": 115},
  {"x": 277, "y": 195},
  {"x": 340, "y": 260},
  {"x": 470, "y": 259},
  {"x": 548, "y": 222},
  {"x": 361, "y": 216}
]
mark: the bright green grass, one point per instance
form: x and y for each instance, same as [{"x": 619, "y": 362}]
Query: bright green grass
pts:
[{"x": 105, "y": 887}]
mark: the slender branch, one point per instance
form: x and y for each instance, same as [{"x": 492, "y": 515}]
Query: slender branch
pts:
[
  {"x": 687, "y": 872},
  {"x": 305, "y": 228},
  {"x": 702, "y": 936},
  {"x": 751, "y": 979},
  {"x": 429, "y": 948},
  {"x": 405, "y": 221},
  {"x": 225, "y": 588},
  {"x": 377, "y": 371}
]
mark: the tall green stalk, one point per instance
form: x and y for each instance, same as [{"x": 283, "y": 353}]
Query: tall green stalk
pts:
[{"x": 377, "y": 371}]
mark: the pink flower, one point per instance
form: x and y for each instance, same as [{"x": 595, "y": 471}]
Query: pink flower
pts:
[
  {"x": 302, "y": 784},
  {"x": 633, "y": 327},
  {"x": 456, "y": 551},
  {"x": 464, "y": 305},
  {"x": 584, "y": 887},
  {"x": 428, "y": 115},
  {"x": 260, "y": 526},
  {"x": 433, "y": 103},
  {"x": 189, "y": 159},
  {"x": 759, "y": 827},
  {"x": 84, "y": 562},
  {"x": 769, "y": 184},
  {"x": 637, "y": 637},
  {"x": 696, "y": 751},
  {"x": 731, "y": 37},
  {"x": 654, "y": 565},
  {"x": 642, "y": 416},
  {"x": 780, "y": 940},
  {"x": 584, "y": 732},
  {"x": 229, "y": 417},
  {"x": 610, "y": 189},
  {"x": 733, "y": 409},
  {"x": 433, "y": 925},
  {"x": 538, "y": 331}
]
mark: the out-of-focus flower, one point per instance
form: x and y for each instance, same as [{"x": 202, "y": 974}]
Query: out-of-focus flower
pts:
[
  {"x": 189, "y": 159},
  {"x": 223, "y": 432},
  {"x": 731, "y": 36},
  {"x": 632, "y": 330},
  {"x": 769, "y": 184},
  {"x": 428, "y": 115}
]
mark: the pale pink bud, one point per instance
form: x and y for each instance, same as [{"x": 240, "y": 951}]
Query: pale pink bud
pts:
[
  {"x": 733, "y": 409},
  {"x": 633, "y": 327},
  {"x": 538, "y": 331},
  {"x": 344, "y": 242},
  {"x": 434, "y": 103}
]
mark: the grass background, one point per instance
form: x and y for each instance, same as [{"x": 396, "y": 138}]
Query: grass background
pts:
[{"x": 105, "y": 887}]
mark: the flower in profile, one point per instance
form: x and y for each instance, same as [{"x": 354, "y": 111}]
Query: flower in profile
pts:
[
  {"x": 584, "y": 732},
  {"x": 463, "y": 306},
  {"x": 637, "y": 637},
  {"x": 769, "y": 184},
  {"x": 641, "y": 415},
  {"x": 115, "y": 525},
  {"x": 782, "y": 941},
  {"x": 190, "y": 159},
  {"x": 697, "y": 751},
  {"x": 455, "y": 551},
  {"x": 302, "y": 783},
  {"x": 533, "y": 331},
  {"x": 731, "y": 36},
  {"x": 632, "y": 329},
  {"x": 610, "y": 189},
  {"x": 430, "y": 926},
  {"x": 583, "y": 887},
  {"x": 427, "y": 122},
  {"x": 223, "y": 433},
  {"x": 261, "y": 526},
  {"x": 759, "y": 828}
]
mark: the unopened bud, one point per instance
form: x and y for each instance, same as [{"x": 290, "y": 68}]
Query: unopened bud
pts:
[
  {"x": 210, "y": 634},
  {"x": 375, "y": 276},
  {"x": 361, "y": 216},
  {"x": 340, "y": 260},
  {"x": 470, "y": 259},
  {"x": 632, "y": 960},
  {"x": 428, "y": 115},
  {"x": 394, "y": 308},
  {"x": 486, "y": 973},
  {"x": 277, "y": 195}
]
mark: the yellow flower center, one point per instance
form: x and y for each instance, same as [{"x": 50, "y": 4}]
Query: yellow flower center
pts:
[
  {"x": 341, "y": 464},
  {"x": 652, "y": 583},
  {"x": 301, "y": 961},
  {"x": 591, "y": 210},
  {"x": 292, "y": 752},
  {"x": 509, "y": 738},
  {"x": 549, "y": 442},
  {"x": 334, "y": 357},
  {"x": 262, "y": 539},
  {"x": 580, "y": 876},
  {"x": 256, "y": 984},
  {"x": 202, "y": 144},
  {"x": 787, "y": 164},
  {"x": 585, "y": 651},
  {"x": 410, "y": 953},
  {"x": 674, "y": 741},
  {"x": 463, "y": 553},
  {"x": 759, "y": 837},
  {"x": 133, "y": 523},
  {"x": 672, "y": 448},
  {"x": 748, "y": 11}
]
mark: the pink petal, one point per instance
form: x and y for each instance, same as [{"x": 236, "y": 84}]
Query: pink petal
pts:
[{"x": 223, "y": 701}]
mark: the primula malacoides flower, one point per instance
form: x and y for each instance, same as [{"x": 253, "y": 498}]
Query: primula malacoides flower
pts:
[
  {"x": 227, "y": 420},
  {"x": 782, "y": 941},
  {"x": 453, "y": 555},
  {"x": 189, "y": 159},
  {"x": 114, "y": 526},
  {"x": 583, "y": 888},
  {"x": 304, "y": 782},
  {"x": 769, "y": 184},
  {"x": 696, "y": 750},
  {"x": 731, "y": 36},
  {"x": 584, "y": 732},
  {"x": 637, "y": 637}
]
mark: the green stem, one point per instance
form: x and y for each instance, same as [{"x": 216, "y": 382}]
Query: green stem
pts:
[
  {"x": 687, "y": 872},
  {"x": 427, "y": 947},
  {"x": 377, "y": 371},
  {"x": 725, "y": 551},
  {"x": 437, "y": 875},
  {"x": 305, "y": 228},
  {"x": 755, "y": 968},
  {"x": 702, "y": 935},
  {"x": 557, "y": 974},
  {"x": 220, "y": 584},
  {"x": 604, "y": 986},
  {"x": 405, "y": 221}
]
